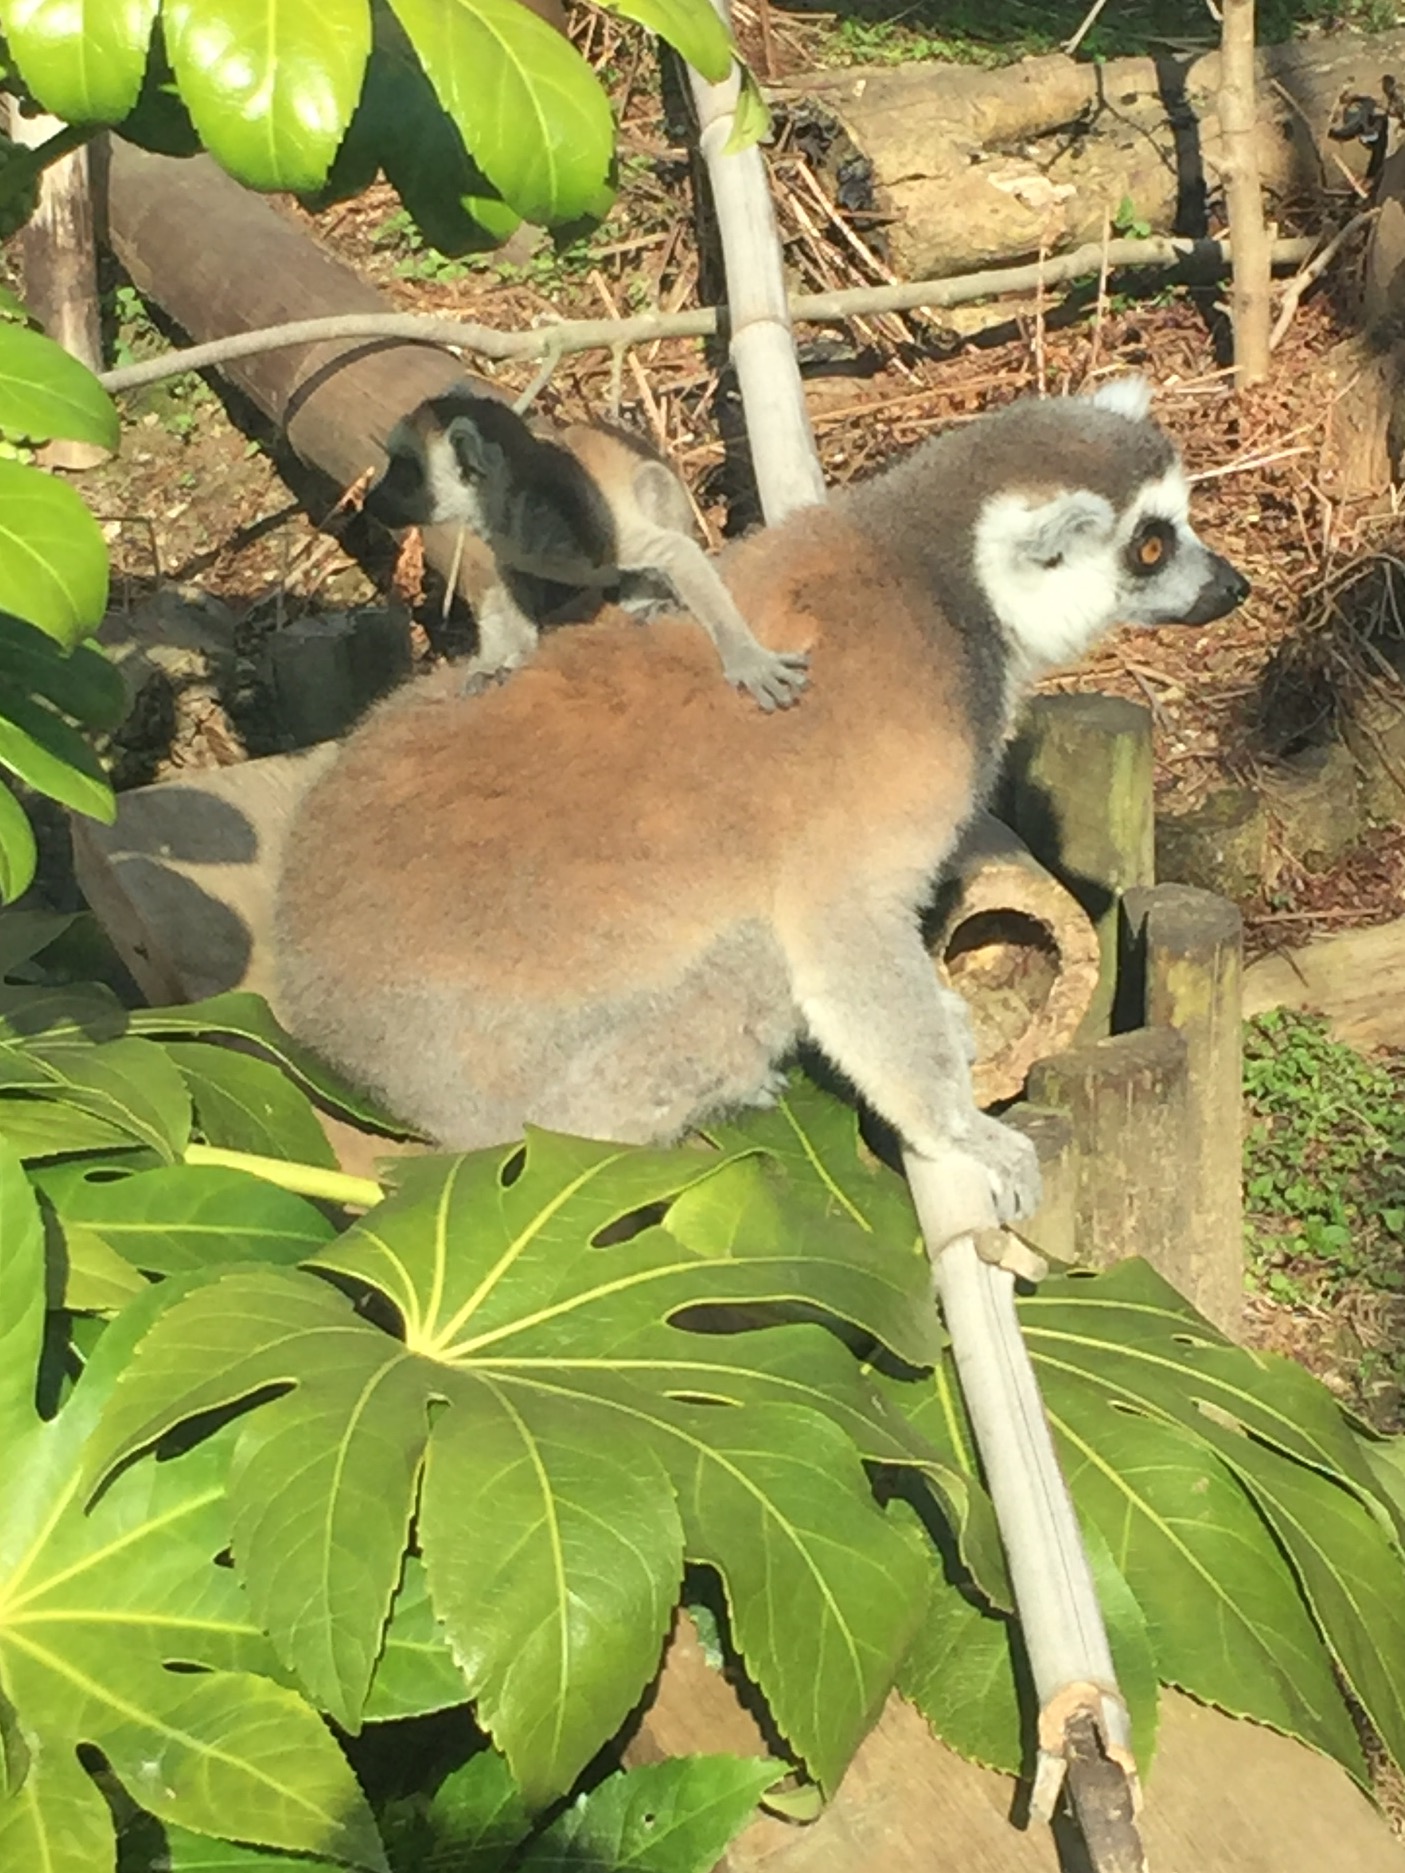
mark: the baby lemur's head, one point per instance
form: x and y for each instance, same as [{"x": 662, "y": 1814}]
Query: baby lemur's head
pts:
[
  {"x": 454, "y": 458},
  {"x": 1069, "y": 515}
]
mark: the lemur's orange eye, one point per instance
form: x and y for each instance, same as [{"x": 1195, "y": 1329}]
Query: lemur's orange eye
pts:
[{"x": 1152, "y": 550}]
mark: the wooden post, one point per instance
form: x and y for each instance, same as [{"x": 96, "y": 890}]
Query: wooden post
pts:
[
  {"x": 1053, "y": 1229},
  {"x": 1127, "y": 1099},
  {"x": 58, "y": 255},
  {"x": 1079, "y": 793},
  {"x": 1249, "y": 308},
  {"x": 1184, "y": 950}
]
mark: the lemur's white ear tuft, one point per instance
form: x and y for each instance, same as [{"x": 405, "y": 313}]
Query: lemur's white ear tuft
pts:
[{"x": 1124, "y": 396}]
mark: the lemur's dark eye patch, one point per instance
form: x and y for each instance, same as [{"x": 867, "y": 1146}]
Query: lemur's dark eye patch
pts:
[{"x": 1152, "y": 546}]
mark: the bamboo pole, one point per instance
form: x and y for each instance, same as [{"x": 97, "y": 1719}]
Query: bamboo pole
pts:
[
  {"x": 1084, "y": 1731},
  {"x": 783, "y": 454}
]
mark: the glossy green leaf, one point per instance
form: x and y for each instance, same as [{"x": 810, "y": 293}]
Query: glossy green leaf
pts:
[
  {"x": 176, "y": 1219},
  {"x": 415, "y": 1673},
  {"x": 1350, "y": 1570},
  {"x": 247, "y": 1104},
  {"x": 176, "y": 1850},
  {"x": 46, "y": 393},
  {"x": 81, "y": 682},
  {"x": 19, "y": 855},
  {"x": 1223, "y": 1610},
  {"x": 50, "y": 755},
  {"x": 477, "y": 1817},
  {"x": 53, "y": 561},
  {"x": 247, "y": 1017},
  {"x": 693, "y": 28},
  {"x": 271, "y": 89},
  {"x": 400, "y": 128},
  {"x": 47, "y": 1128},
  {"x": 95, "y": 1598},
  {"x": 128, "y": 1083},
  {"x": 961, "y": 1673},
  {"x": 662, "y": 1817},
  {"x": 25, "y": 933},
  {"x": 751, "y": 118},
  {"x": 83, "y": 59},
  {"x": 542, "y": 1401},
  {"x": 525, "y": 102}
]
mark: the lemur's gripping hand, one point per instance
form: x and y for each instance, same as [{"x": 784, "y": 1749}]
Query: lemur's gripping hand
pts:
[
  {"x": 1010, "y": 1162},
  {"x": 773, "y": 678}
]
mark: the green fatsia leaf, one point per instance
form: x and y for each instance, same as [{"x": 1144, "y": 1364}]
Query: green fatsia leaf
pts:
[
  {"x": 53, "y": 563},
  {"x": 271, "y": 89},
  {"x": 45, "y": 393},
  {"x": 663, "y": 1817},
  {"x": 82, "y": 59},
  {"x": 543, "y": 1409},
  {"x": 82, "y": 682},
  {"x": 526, "y": 103},
  {"x": 693, "y": 28},
  {"x": 415, "y": 1673},
  {"x": 98, "y": 1602}
]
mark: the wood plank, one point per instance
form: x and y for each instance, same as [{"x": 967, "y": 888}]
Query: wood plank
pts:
[{"x": 1356, "y": 978}]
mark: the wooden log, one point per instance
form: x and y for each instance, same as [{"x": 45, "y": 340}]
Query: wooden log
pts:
[
  {"x": 1224, "y": 1796},
  {"x": 1127, "y": 1098},
  {"x": 1079, "y": 793},
  {"x": 1184, "y": 951},
  {"x": 1356, "y": 978},
  {"x": 1020, "y": 951},
  {"x": 59, "y": 261},
  {"x": 218, "y": 258},
  {"x": 971, "y": 168}
]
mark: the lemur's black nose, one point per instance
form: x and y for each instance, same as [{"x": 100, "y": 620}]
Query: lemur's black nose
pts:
[{"x": 1224, "y": 588}]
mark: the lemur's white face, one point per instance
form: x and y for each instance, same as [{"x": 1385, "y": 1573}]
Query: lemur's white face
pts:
[{"x": 1060, "y": 570}]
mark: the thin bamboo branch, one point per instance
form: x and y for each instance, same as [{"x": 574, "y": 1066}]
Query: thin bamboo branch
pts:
[
  {"x": 572, "y": 335},
  {"x": 783, "y": 453},
  {"x": 1311, "y": 271}
]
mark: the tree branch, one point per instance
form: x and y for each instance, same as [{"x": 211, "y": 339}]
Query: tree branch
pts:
[
  {"x": 1248, "y": 295},
  {"x": 571, "y": 335}
]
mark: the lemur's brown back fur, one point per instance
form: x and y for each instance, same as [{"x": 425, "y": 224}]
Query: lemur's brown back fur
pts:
[{"x": 615, "y": 792}]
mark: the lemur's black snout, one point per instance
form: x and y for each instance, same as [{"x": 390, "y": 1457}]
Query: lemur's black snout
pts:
[{"x": 1224, "y": 588}]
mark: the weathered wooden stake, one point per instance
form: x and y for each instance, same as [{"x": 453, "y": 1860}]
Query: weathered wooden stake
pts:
[
  {"x": 1127, "y": 1100},
  {"x": 1183, "y": 949},
  {"x": 59, "y": 258},
  {"x": 1079, "y": 793}
]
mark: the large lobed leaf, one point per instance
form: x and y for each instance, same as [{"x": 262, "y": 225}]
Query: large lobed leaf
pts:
[
  {"x": 545, "y": 1413},
  {"x": 98, "y": 1603}
]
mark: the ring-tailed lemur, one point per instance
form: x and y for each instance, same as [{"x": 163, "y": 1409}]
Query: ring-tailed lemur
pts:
[
  {"x": 606, "y": 899},
  {"x": 594, "y": 509}
]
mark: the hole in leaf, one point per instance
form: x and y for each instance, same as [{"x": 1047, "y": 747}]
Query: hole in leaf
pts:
[{"x": 632, "y": 1223}]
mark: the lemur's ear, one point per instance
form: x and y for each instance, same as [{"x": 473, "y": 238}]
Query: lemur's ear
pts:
[
  {"x": 1128, "y": 396},
  {"x": 1050, "y": 532},
  {"x": 478, "y": 459}
]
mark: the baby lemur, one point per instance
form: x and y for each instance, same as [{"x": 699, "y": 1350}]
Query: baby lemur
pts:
[
  {"x": 606, "y": 899},
  {"x": 594, "y": 509}
]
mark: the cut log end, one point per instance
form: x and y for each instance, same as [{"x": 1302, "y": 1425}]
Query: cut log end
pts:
[{"x": 1022, "y": 954}]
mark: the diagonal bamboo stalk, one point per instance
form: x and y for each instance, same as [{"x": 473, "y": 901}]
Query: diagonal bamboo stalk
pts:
[{"x": 1084, "y": 1728}]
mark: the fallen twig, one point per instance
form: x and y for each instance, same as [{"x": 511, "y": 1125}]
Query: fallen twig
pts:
[
  {"x": 1312, "y": 271},
  {"x": 571, "y": 335}
]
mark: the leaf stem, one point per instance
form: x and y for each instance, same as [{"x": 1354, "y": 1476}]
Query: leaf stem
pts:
[{"x": 305, "y": 1180}]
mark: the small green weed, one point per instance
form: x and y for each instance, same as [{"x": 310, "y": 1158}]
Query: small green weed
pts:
[
  {"x": 176, "y": 401},
  {"x": 1129, "y": 223},
  {"x": 1324, "y": 1162}
]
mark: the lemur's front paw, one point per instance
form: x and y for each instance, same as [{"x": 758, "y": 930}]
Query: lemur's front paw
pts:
[
  {"x": 480, "y": 676},
  {"x": 1011, "y": 1163},
  {"x": 773, "y": 678}
]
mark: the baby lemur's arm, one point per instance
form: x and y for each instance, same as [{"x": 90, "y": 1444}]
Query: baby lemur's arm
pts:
[{"x": 583, "y": 512}]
